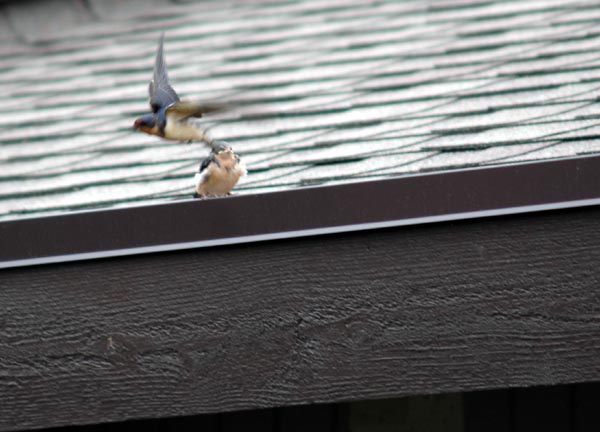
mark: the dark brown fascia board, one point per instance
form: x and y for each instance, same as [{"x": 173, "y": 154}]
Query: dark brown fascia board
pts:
[
  {"x": 407, "y": 200},
  {"x": 451, "y": 307}
]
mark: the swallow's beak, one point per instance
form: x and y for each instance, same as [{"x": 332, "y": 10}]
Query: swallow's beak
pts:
[{"x": 136, "y": 124}]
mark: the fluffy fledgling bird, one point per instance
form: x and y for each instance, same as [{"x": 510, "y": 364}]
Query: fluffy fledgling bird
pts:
[
  {"x": 171, "y": 117},
  {"x": 219, "y": 172}
]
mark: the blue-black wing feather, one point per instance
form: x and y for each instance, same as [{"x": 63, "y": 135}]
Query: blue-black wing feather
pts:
[
  {"x": 206, "y": 162},
  {"x": 161, "y": 93}
]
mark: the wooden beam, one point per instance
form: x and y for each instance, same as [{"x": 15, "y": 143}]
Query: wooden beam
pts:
[{"x": 478, "y": 304}]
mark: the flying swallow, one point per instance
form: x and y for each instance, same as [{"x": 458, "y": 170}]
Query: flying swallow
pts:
[
  {"x": 219, "y": 172},
  {"x": 171, "y": 117}
]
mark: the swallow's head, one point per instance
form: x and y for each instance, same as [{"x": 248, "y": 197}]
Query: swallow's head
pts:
[
  {"x": 224, "y": 155},
  {"x": 146, "y": 123},
  {"x": 221, "y": 147}
]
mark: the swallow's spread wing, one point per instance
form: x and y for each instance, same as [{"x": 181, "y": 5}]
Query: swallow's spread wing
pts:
[
  {"x": 182, "y": 110},
  {"x": 161, "y": 93}
]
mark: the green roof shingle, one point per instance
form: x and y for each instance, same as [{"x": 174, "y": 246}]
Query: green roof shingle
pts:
[{"x": 325, "y": 92}]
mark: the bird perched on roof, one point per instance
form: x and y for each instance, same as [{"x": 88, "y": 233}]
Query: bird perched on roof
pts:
[
  {"x": 171, "y": 117},
  {"x": 219, "y": 172}
]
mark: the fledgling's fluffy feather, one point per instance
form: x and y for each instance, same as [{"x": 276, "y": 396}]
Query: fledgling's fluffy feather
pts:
[{"x": 219, "y": 172}]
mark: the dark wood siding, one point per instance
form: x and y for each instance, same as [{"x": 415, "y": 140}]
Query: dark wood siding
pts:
[{"x": 430, "y": 309}]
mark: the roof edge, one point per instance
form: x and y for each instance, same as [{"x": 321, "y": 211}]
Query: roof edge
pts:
[{"x": 393, "y": 202}]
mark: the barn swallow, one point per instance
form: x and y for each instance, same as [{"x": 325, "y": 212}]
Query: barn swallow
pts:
[
  {"x": 219, "y": 172},
  {"x": 171, "y": 117}
]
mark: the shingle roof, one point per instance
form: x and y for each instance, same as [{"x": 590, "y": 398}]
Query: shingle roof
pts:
[{"x": 327, "y": 91}]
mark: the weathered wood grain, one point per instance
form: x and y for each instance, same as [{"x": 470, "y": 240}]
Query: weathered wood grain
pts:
[{"x": 438, "y": 308}]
